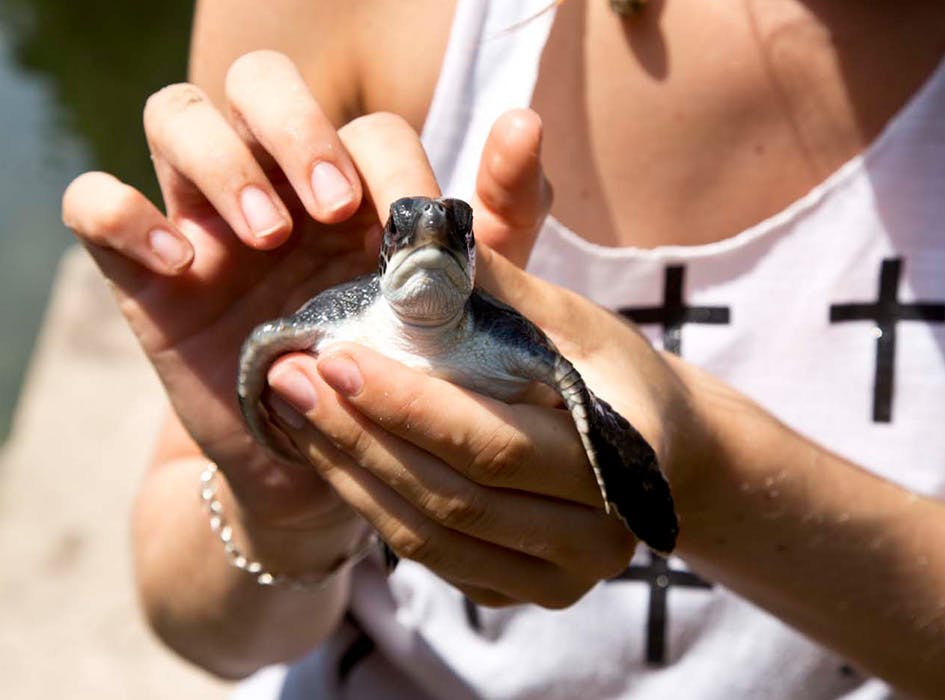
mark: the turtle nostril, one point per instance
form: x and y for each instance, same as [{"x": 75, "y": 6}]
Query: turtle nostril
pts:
[{"x": 433, "y": 214}]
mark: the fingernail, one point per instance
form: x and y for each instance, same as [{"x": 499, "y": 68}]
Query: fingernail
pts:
[
  {"x": 260, "y": 212},
  {"x": 286, "y": 412},
  {"x": 169, "y": 249},
  {"x": 332, "y": 190},
  {"x": 293, "y": 386},
  {"x": 341, "y": 374}
]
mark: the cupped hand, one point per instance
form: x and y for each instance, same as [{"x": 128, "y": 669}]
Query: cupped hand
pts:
[
  {"x": 498, "y": 499},
  {"x": 262, "y": 208},
  {"x": 266, "y": 206}
]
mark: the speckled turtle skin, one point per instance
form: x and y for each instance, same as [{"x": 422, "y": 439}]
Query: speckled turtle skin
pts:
[{"x": 422, "y": 309}]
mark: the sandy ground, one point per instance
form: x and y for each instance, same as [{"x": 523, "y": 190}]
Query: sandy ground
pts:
[{"x": 69, "y": 623}]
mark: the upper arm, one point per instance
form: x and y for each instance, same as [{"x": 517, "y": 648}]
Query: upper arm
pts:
[{"x": 318, "y": 35}]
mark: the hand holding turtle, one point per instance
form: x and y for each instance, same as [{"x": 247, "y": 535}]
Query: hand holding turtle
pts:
[
  {"x": 499, "y": 500},
  {"x": 250, "y": 231},
  {"x": 263, "y": 211}
]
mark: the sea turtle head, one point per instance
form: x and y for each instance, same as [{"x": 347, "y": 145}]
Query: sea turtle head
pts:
[{"x": 428, "y": 259}]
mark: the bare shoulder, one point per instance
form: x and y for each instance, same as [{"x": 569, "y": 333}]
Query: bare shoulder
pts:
[
  {"x": 357, "y": 56},
  {"x": 402, "y": 43}
]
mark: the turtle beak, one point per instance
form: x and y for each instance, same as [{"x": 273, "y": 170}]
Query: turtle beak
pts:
[{"x": 432, "y": 227}]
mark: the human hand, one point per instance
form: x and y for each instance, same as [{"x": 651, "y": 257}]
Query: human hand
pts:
[
  {"x": 263, "y": 211},
  {"x": 254, "y": 227},
  {"x": 465, "y": 484}
]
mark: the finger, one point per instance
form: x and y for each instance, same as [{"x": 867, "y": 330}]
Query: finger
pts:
[
  {"x": 550, "y": 529},
  {"x": 548, "y": 306},
  {"x": 108, "y": 215},
  {"x": 200, "y": 160},
  {"x": 271, "y": 99},
  {"x": 453, "y": 555},
  {"x": 513, "y": 196},
  {"x": 390, "y": 159},
  {"x": 492, "y": 443}
]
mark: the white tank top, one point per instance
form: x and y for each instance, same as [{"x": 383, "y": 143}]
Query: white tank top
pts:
[{"x": 831, "y": 314}]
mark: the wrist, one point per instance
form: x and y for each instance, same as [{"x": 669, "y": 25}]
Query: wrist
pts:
[
  {"x": 715, "y": 454},
  {"x": 305, "y": 551}
]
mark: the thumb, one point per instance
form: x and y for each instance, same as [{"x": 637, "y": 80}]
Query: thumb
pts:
[
  {"x": 552, "y": 308},
  {"x": 513, "y": 195}
]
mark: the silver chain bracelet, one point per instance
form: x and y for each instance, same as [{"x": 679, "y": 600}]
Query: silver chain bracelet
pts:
[{"x": 300, "y": 582}]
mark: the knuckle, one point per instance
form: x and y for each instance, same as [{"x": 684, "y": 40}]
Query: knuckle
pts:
[
  {"x": 169, "y": 101},
  {"x": 414, "y": 543},
  {"x": 249, "y": 70},
  {"x": 459, "y": 512},
  {"x": 377, "y": 120},
  {"x": 501, "y": 456},
  {"x": 357, "y": 444},
  {"x": 253, "y": 66},
  {"x": 409, "y": 415}
]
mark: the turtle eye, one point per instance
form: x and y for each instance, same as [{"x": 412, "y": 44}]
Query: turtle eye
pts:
[
  {"x": 388, "y": 245},
  {"x": 403, "y": 216},
  {"x": 461, "y": 215}
]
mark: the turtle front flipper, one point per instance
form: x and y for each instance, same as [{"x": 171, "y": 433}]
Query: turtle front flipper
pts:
[
  {"x": 264, "y": 346},
  {"x": 625, "y": 464}
]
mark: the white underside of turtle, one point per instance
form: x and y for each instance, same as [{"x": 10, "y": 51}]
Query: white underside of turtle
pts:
[{"x": 421, "y": 309}]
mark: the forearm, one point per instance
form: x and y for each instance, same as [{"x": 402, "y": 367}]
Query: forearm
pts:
[
  {"x": 211, "y": 612},
  {"x": 854, "y": 561}
]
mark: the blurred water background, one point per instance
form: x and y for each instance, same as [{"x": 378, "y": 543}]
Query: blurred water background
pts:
[
  {"x": 79, "y": 405},
  {"x": 73, "y": 79}
]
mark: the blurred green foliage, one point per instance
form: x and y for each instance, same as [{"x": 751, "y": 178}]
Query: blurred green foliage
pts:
[
  {"x": 101, "y": 60},
  {"x": 74, "y": 76}
]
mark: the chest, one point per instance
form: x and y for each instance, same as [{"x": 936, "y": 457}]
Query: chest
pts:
[{"x": 695, "y": 121}]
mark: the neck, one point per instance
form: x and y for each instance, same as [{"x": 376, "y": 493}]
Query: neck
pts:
[{"x": 427, "y": 324}]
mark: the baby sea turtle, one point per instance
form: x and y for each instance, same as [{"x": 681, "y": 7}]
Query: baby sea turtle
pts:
[{"x": 421, "y": 308}]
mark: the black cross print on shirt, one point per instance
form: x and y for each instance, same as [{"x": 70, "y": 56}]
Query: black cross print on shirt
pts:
[
  {"x": 885, "y": 313},
  {"x": 674, "y": 313},
  {"x": 660, "y": 578}
]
